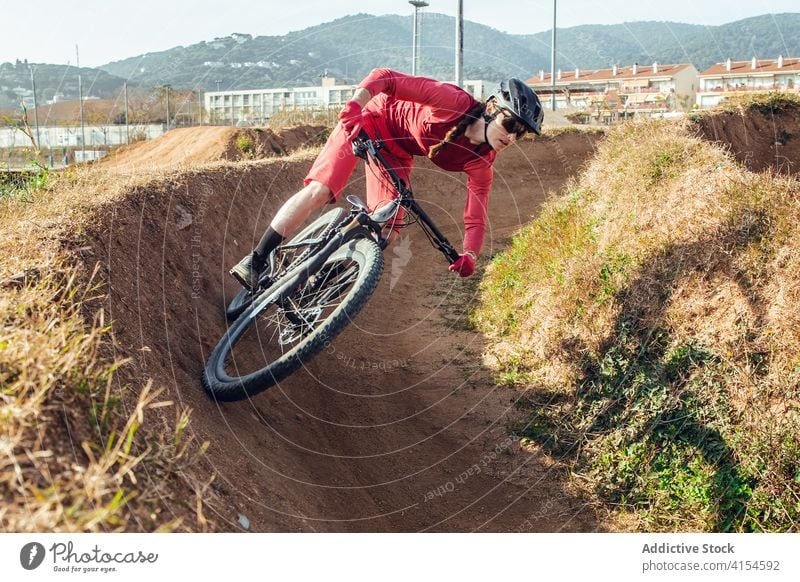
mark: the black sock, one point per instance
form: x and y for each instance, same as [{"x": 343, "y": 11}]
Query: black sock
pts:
[{"x": 268, "y": 243}]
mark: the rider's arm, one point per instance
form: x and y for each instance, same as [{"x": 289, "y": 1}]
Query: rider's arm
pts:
[
  {"x": 361, "y": 96},
  {"x": 416, "y": 89},
  {"x": 479, "y": 182}
]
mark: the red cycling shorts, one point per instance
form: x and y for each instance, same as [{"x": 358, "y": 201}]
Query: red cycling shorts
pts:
[{"x": 336, "y": 162}]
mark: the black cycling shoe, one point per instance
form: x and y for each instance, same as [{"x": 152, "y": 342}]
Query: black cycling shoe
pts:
[{"x": 249, "y": 271}]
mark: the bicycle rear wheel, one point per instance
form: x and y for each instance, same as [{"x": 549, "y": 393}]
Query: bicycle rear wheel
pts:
[
  {"x": 287, "y": 257},
  {"x": 268, "y": 342}
]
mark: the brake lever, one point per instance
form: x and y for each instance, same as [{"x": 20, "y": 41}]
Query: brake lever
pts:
[{"x": 361, "y": 145}]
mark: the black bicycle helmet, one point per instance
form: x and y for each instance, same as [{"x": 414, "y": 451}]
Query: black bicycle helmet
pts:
[{"x": 516, "y": 97}]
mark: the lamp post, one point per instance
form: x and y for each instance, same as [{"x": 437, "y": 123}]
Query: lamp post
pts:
[
  {"x": 127, "y": 126},
  {"x": 460, "y": 44},
  {"x": 553, "y": 60},
  {"x": 80, "y": 101},
  {"x": 35, "y": 110},
  {"x": 166, "y": 88},
  {"x": 417, "y": 4}
]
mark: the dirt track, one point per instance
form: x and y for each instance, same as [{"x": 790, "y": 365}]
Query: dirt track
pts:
[
  {"x": 184, "y": 147},
  {"x": 396, "y": 427}
]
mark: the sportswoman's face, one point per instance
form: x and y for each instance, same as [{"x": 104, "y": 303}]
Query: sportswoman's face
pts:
[{"x": 499, "y": 137}]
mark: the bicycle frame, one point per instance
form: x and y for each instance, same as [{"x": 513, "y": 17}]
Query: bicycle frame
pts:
[
  {"x": 360, "y": 223},
  {"x": 369, "y": 150}
]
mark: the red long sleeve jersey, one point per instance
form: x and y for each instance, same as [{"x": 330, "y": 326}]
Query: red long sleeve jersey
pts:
[{"x": 417, "y": 113}]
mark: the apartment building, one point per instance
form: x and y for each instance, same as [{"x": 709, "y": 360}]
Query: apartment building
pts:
[
  {"x": 740, "y": 77},
  {"x": 258, "y": 105},
  {"x": 605, "y": 95}
]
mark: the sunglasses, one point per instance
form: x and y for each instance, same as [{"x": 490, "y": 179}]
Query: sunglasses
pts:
[{"x": 511, "y": 124}]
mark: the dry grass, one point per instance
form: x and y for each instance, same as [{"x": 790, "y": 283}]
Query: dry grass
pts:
[
  {"x": 79, "y": 449},
  {"x": 552, "y": 132},
  {"x": 71, "y": 459},
  {"x": 651, "y": 314},
  {"x": 327, "y": 117}
]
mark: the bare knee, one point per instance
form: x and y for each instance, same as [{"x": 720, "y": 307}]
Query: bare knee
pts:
[
  {"x": 298, "y": 208},
  {"x": 317, "y": 193}
]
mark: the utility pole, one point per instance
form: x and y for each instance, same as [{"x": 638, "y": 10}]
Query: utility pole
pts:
[
  {"x": 167, "y": 89},
  {"x": 80, "y": 100},
  {"x": 127, "y": 127},
  {"x": 460, "y": 44},
  {"x": 35, "y": 110},
  {"x": 553, "y": 60},
  {"x": 417, "y": 34},
  {"x": 200, "y": 105}
]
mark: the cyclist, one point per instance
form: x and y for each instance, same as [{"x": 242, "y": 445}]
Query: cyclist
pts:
[{"x": 413, "y": 116}]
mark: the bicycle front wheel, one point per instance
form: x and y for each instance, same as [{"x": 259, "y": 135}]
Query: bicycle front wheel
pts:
[{"x": 268, "y": 342}]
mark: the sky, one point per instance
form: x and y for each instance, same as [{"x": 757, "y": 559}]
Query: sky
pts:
[{"x": 110, "y": 30}]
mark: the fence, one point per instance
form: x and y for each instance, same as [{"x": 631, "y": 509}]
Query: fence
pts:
[{"x": 65, "y": 137}]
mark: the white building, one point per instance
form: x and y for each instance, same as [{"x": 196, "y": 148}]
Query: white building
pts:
[
  {"x": 742, "y": 77},
  {"x": 609, "y": 94},
  {"x": 258, "y": 105}
]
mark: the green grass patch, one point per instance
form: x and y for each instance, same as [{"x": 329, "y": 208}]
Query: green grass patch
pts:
[
  {"x": 650, "y": 316},
  {"x": 245, "y": 144},
  {"x": 23, "y": 186}
]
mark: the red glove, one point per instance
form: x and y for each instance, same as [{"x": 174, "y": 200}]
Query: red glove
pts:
[
  {"x": 350, "y": 116},
  {"x": 464, "y": 265}
]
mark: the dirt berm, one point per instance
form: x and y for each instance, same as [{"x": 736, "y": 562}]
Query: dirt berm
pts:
[
  {"x": 190, "y": 146},
  {"x": 396, "y": 426}
]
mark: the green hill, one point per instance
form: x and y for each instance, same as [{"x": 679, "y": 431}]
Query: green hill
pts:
[{"x": 349, "y": 47}]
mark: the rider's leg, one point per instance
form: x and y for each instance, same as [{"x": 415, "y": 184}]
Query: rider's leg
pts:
[
  {"x": 323, "y": 184},
  {"x": 292, "y": 214}
]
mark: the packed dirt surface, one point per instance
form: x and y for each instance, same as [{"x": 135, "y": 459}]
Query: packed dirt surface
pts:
[
  {"x": 183, "y": 147},
  {"x": 760, "y": 140},
  {"x": 396, "y": 426}
]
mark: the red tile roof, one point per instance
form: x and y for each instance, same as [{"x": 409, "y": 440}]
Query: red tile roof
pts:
[
  {"x": 740, "y": 68},
  {"x": 643, "y": 72}
]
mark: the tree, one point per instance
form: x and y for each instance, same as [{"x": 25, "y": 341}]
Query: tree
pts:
[{"x": 22, "y": 125}]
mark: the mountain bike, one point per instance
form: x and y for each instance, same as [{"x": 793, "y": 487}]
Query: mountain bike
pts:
[{"x": 315, "y": 285}]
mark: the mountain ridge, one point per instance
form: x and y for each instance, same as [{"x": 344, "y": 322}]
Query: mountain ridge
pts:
[{"x": 349, "y": 47}]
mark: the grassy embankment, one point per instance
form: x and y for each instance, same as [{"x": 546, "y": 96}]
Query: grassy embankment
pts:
[
  {"x": 651, "y": 318},
  {"x": 80, "y": 449}
]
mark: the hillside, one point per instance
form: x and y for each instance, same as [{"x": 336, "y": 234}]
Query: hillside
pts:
[
  {"x": 349, "y": 47},
  {"x": 599, "y": 46},
  {"x": 52, "y": 80}
]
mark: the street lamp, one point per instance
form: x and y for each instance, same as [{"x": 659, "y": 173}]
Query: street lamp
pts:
[
  {"x": 166, "y": 87},
  {"x": 417, "y": 34},
  {"x": 459, "y": 66},
  {"x": 35, "y": 109},
  {"x": 553, "y": 61}
]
